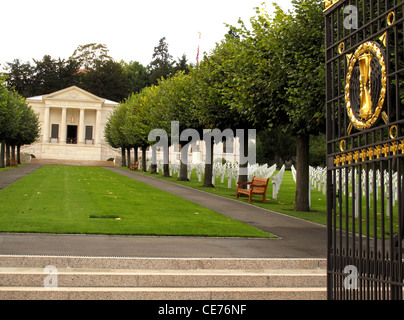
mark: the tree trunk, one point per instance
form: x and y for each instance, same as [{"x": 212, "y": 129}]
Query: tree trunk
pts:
[
  {"x": 7, "y": 155},
  {"x": 302, "y": 174},
  {"x": 123, "y": 157},
  {"x": 166, "y": 170},
  {"x": 207, "y": 180},
  {"x": 144, "y": 168},
  {"x": 166, "y": 162},
  {"x": 183, "y": 176},
  {"x": 128, "y": 157},
  {"x": 13, "y": 152},
  {"x": 153, "y": 165},
  {"x": 244, "y": 167},
  {"x": 2, "y": 154},
  {"x": 19, "y": 154},
  {"x": 136, "y": 155},
  {"x": 153, "y": 169}
]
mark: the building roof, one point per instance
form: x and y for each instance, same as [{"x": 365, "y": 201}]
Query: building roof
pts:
[{"x": 73, "y": 93}]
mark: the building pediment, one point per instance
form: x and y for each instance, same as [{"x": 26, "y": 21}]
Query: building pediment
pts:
[
  {"x": 73, "y": 97},
  {"x": 73, "y": 94}
]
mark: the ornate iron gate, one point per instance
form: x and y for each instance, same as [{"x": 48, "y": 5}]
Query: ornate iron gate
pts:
[{"x": 365, "y": 148}]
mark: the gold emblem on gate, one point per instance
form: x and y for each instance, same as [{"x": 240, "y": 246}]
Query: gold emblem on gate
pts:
[{"x": 365, "y": 89}]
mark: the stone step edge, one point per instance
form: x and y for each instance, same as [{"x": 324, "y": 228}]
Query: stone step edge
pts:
[
  {"x": 159, "y": 263},
  {"x": 68, "y": 293},
  {"x": 163, "y": 279},
  {"x": 178, "y": 272},
  {"x": 151, "y": 289}
]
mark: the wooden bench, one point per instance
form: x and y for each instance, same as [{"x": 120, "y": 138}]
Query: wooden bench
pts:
[
  {"x": 258, "y": 186},
  {"x": 13, "y": 163},
  {"x": 134, "y": 166}
]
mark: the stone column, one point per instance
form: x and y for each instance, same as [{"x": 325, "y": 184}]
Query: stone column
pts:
[
  {"x": 63, "y": 125},
  {"x": 81, "y": 133},
  {"x": 46, "y": 125},
  {"x": 98, "y": 127}
]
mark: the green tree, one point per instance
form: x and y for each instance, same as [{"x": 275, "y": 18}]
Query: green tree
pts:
[
  {"x": 182, "y": 65},
  {"x": 19, "y": 125},
  {"x": 89, "y": 56},
  {"x": 113, "y": 132},
  {"x": 8, "y": 120},
  {"x": 107, "y": 80},
  {"x": 137, "y": 76},
  {"x": 28, "y": 130},
  {"x": 176, "y": 104},
  {"x": 213, "y": 101},
  {"x": 162, "y": 65},
  {"x": 275, "y": 146},
  {"x": 139, "y": 119},
  {"x": 43, "y": 77},
  {"x": 20, "y": 76},
  {"x": 280, "y": 78},
  {"x": 50, "y": 75}
]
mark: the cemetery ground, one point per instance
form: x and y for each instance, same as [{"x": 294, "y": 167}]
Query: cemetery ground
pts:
[
  {"x": 93, "y": 200},
  {"x": 284, "y": 203}
]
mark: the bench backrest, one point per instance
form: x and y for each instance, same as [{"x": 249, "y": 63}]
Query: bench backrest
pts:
[{"x": 259, "y": 184}]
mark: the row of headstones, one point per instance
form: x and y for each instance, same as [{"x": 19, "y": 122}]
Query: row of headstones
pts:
[
  {"x": 318, "y": 179},
  {"x": 228, "y": 170},
  {"x": 315, "y": 180},
  {"x": 368, "y": 185}
]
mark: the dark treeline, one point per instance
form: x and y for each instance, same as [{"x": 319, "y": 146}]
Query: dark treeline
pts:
[{"x": 91, "y": 68}]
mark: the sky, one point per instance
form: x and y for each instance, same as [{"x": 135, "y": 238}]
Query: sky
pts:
[{"x": 129, "y": 28}]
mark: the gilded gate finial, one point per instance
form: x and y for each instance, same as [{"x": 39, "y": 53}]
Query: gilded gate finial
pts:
[{"x": 330, "y": 3}]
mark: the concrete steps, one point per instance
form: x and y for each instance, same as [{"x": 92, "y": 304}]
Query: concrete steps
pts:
[{"x": 75, "y": 278}]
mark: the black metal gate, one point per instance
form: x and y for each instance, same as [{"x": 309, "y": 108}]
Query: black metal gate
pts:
[{"x": 365, "y": 148}]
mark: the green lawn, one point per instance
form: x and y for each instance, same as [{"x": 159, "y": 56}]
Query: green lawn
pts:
[
  {"x": 283, "y": 204},
  {"x": 92, "y": 200}
]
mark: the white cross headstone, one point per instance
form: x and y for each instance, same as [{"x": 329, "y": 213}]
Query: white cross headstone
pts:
[{"x": 277, "y": 181}]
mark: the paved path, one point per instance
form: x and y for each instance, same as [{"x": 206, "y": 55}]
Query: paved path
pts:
[
  {"x": 10, "y": 176},
  {"x": 297, "y": 238}
]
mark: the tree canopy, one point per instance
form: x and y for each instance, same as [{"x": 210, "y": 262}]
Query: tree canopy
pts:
[
  {"x": 19, "y": 124},
  {"x": 279, "y": 78},
  {"x": 269, "y": 78},
  {"x": 92, "y": 68}
]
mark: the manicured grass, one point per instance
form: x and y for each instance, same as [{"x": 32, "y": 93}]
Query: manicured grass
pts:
[
  {"x": 284, "y": 203},
  {"x": 92, "y": 200}
]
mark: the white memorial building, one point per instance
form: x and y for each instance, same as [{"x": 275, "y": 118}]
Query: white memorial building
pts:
[{"x": 72, "y": 124}]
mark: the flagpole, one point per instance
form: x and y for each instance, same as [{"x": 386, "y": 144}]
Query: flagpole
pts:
[{"x": 197, "y": 55}]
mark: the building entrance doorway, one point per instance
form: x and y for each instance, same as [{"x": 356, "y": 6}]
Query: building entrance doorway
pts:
[{"x": 71, "y": 135}]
